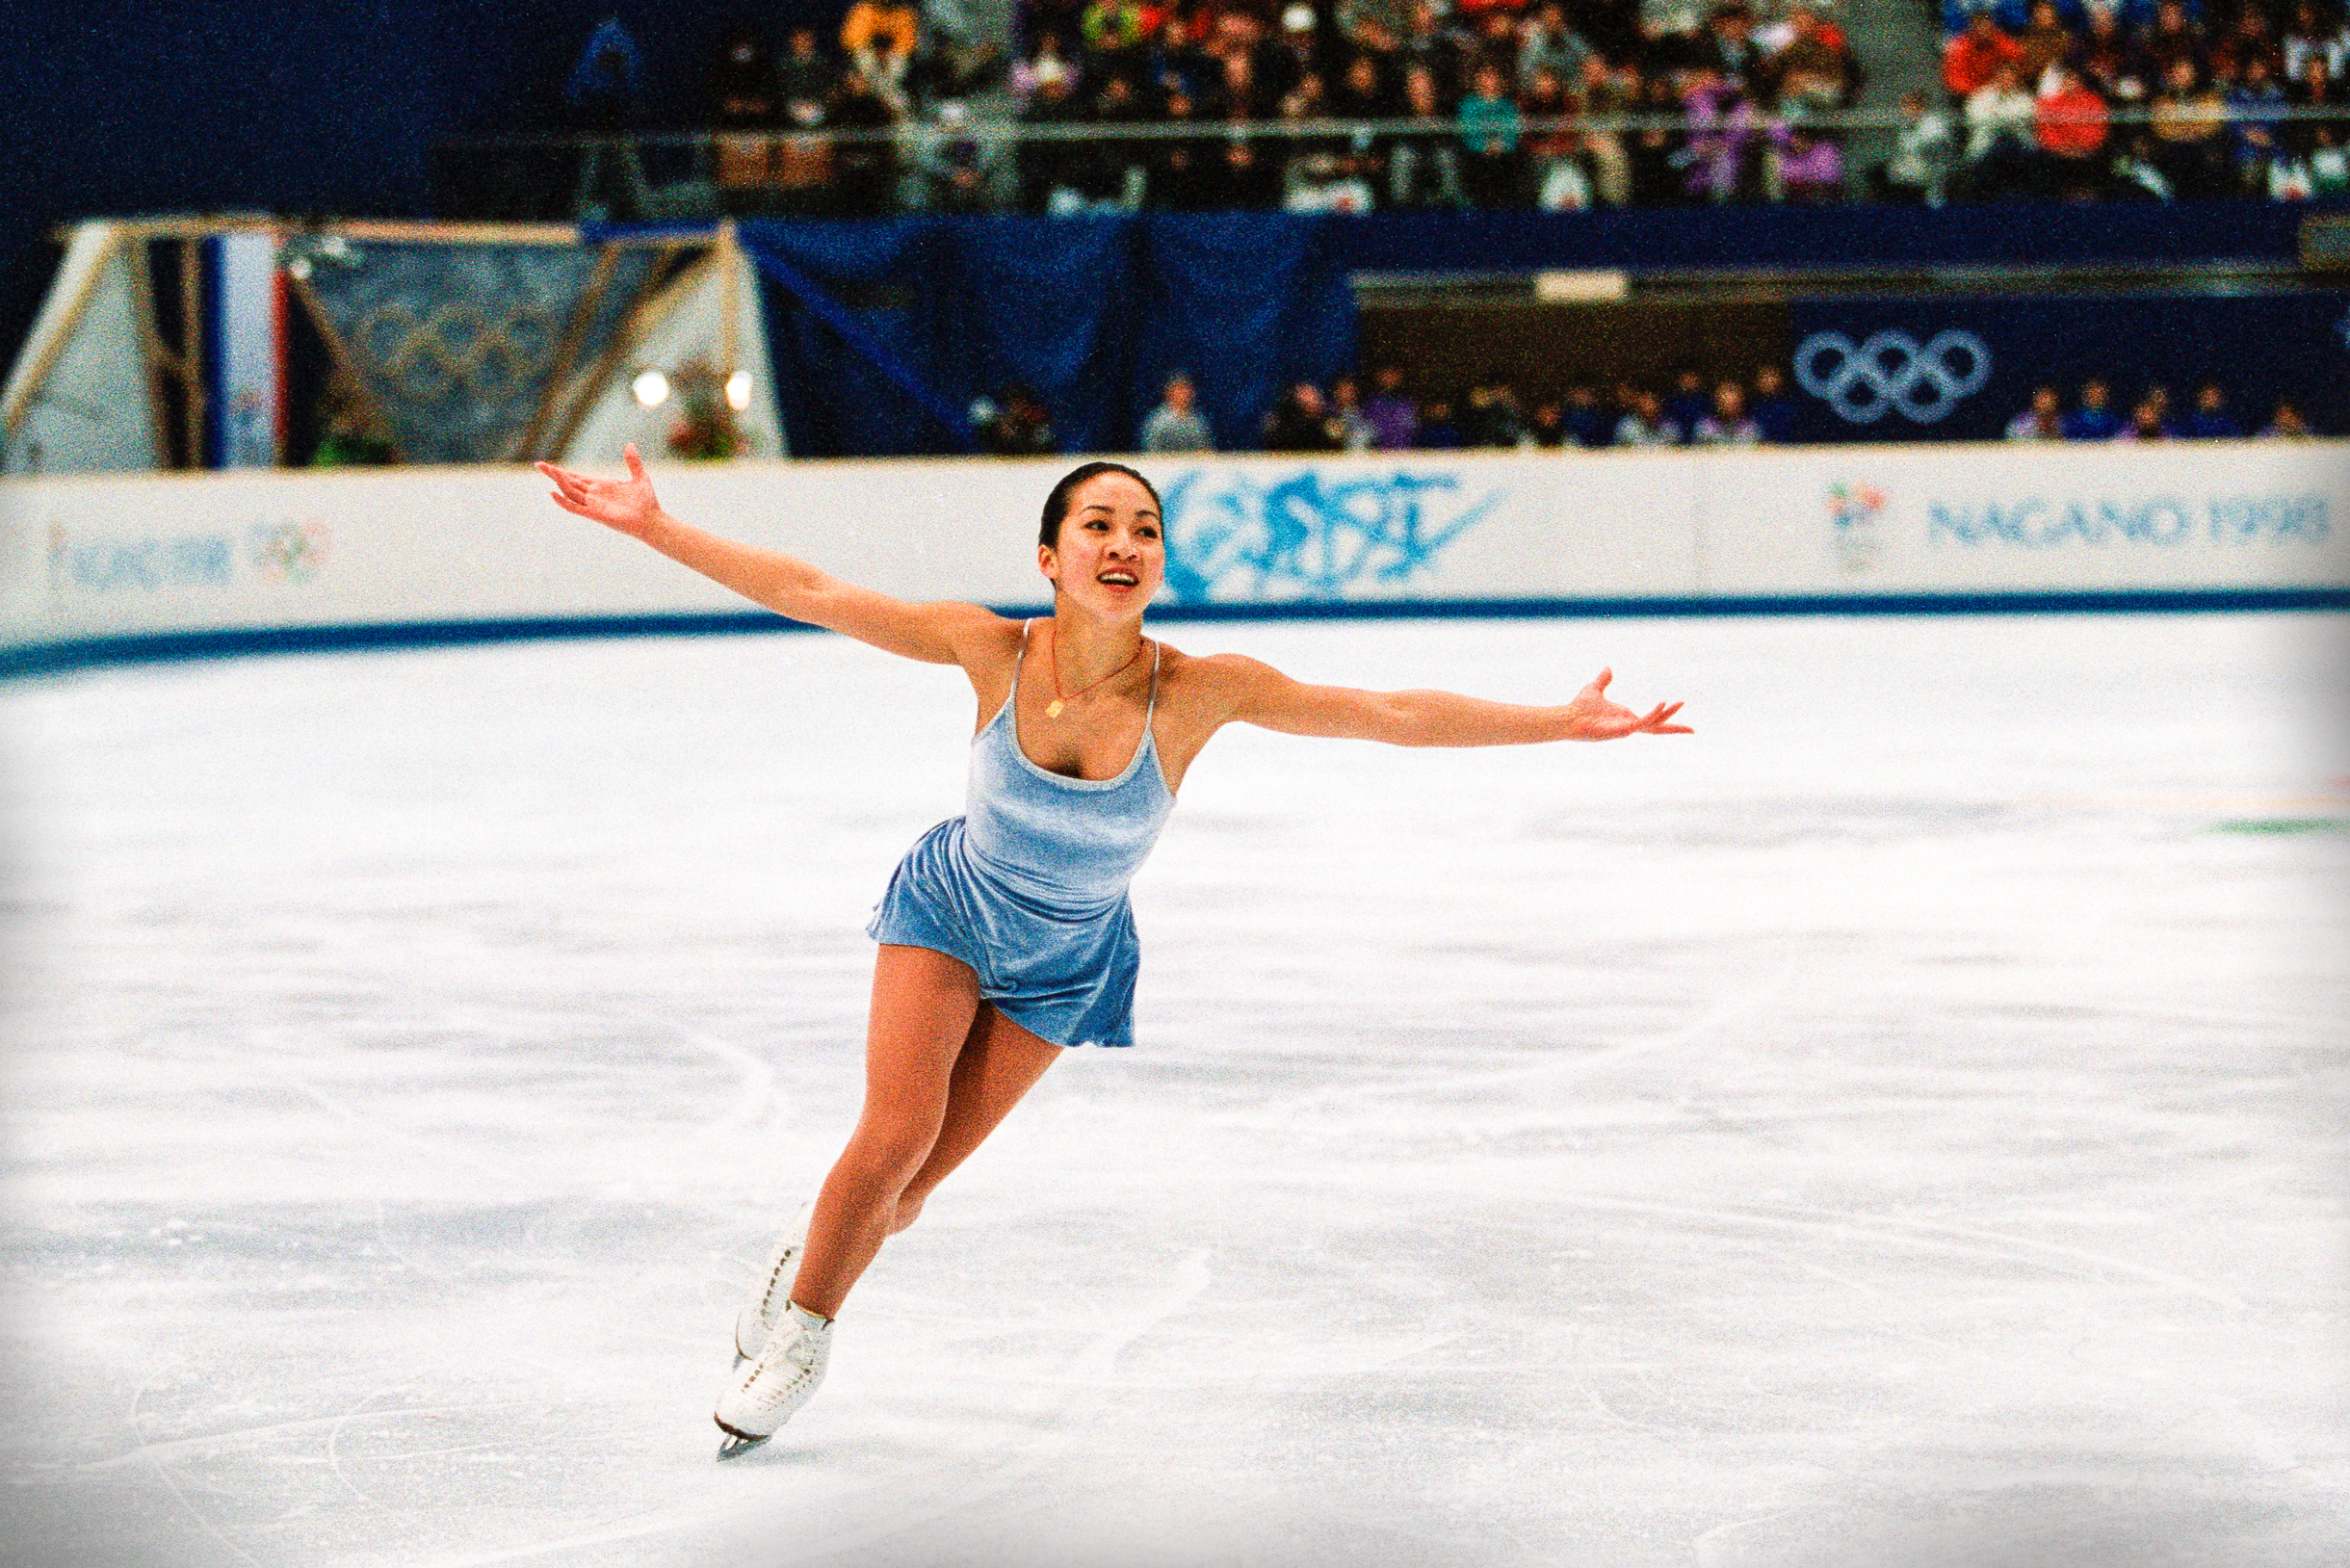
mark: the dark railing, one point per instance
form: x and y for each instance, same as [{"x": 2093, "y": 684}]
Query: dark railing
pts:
[{"x": 903, "y": 166}]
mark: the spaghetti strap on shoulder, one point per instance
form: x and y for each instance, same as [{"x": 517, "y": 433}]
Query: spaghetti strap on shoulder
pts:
[{"x": 1024, "y": 627}]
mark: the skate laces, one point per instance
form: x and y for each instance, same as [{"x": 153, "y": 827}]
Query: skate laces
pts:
[{"x": 802, "y": 1351}]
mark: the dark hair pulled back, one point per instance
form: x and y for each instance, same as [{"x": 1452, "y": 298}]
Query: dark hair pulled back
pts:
[{"x": 1057, "y": 503}]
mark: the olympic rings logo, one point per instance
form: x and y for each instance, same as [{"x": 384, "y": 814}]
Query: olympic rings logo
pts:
[
  {"x": 1891, "y": 371},
  {"x": 456, "y": 347}
]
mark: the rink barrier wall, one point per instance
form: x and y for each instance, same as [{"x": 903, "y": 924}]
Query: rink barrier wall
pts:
[{"x": 104, "y": 569}]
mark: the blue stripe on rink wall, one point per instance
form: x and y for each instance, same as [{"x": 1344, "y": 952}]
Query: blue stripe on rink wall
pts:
[{"x": 30, "y": 660}]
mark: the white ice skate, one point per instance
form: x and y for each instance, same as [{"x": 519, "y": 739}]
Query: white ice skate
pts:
[
  {"x": 763, "y": 1314},
  {"x": 781, "y": 1380}
]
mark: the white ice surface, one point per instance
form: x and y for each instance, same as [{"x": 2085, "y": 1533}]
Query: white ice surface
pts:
[{"x": 1902, "y": 1125}]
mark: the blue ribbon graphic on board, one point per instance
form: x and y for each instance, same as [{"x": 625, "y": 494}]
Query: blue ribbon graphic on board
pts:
[{"x": 1232, "y": 536}]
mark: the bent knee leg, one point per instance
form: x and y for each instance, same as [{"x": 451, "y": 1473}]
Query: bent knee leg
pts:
[{"x": 883, "y": 1157}]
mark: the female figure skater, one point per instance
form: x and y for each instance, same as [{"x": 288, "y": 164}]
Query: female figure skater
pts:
[{"x": 1004, "y": 934}]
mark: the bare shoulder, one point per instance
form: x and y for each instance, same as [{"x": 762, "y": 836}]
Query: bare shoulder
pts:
[
  {"x": 1199, "y": 675},
  {"x": 1211, "y": 688},
  {"x": 986, "y": 644}
]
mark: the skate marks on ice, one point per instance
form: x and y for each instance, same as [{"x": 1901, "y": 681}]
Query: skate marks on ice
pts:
[
  {"x": 1564, "y": 1066},
  {"x": 1721, "y": 1167},
  {"x": 1086, "y": 1387}
]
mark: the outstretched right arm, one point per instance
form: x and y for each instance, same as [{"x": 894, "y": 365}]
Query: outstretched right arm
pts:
[{"x": 937, "y": 634}]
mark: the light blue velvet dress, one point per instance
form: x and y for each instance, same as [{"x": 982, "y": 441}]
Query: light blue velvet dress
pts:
[{"x": 1028, "y": 885}]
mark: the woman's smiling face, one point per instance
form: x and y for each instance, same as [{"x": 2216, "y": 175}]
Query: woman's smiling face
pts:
[{"x": 1112, "y": 549}]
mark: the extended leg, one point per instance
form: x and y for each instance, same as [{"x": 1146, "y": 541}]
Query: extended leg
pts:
[
  {"x": 1000, "y": 1061},
  {"x": 923, "y": 1006}
]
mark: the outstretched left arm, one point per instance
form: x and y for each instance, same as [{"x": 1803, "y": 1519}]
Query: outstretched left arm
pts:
[{"x": 1262, "y": 695}]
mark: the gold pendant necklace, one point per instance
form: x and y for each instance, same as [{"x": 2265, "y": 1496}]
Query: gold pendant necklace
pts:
[{"x": 1051, "y": 664}]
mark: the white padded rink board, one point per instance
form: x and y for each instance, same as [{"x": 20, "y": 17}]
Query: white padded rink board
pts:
[{"x": 1902, "y": 1124}]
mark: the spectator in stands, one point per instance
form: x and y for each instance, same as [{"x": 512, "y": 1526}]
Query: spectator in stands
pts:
[
  {"x": 1494, "y": 417},
  {"x": 1669, "y": 34},
  {"x": 1971, "y": 60},
  {"x": 2313, "y": 90},
  {"x": 1323, "y": 181},
  {"x": 2308, "y": 37},
  {"x": 1423, "y": 166},
  {"x": 881, "y": 38},
  {"x": 1562, "y": 169},
  {"x": 955, "y": 172},
  {"x": 607, "y": 78},
  {"x": 1644, "y": 424},
  {"x": 1546, "y": 427},
  {"x": 2189, "y": 139},
  {"x": 1724, "y": 151},
  {"x": 1687, "y": 402},
  {"x": 1052, "y": 170},
  {"x": 1018, "y": 426},
  {"x": 2209, "y": 419},
  {"x": 1393, "y": 415},
  {"x": 1549, "y": 42},
  {"x": 1726, "y": 424},
  {"x": 2286, "y": 424},
  {"x": 1774, "y": 411},
  {"x": 2256, "y": 104},
  {"x": 2252, "y": 36},
  {"x": 1658, "y": 154},
  {"x": 864, "y": 172},
  {"x": 1810, "y": 165},
  {"x": 2093, "y": 418},
  {"x": 805, "y": 79},
  {"x": 1817, "y": 69},
  {"x": 1437, "y": 430},
  {"x": 1114, "y": 169},
  {"x": 2111, "y": 60},
  {"x": 2001, "y": 147},
  {"x": 1301, "y": 420},
  {"x": 1492, "y": 160},
  {"x": 1356, "y": 431},
  {"x": 1586, "y": 423},
  {"x": 1181, "y": 167},
  {"x": 1111, "y": 28},
  {"x": 602, "y": 91},
  {"x": 1606, "y": 91},
  {"x": 1049, "y": 62},
  {"x": 2042, "y": 44},
  {"x": 2146, "y": 420},
  {"x": 962, "y": 53},
  {"x": 742, "y": 94},
  {"x": 1176, "y": 425},
  {"x": 2173, "y": 40},
  {"x": 1727, "y": 47},
  {"x": 1925, "y": 149},
  {"x": 2043, "y": 421},
  {"x": 2072, "y": 126}
]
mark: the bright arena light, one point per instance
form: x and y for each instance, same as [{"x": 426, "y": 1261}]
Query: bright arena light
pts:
[
  {"x": 652, "y": 389},
  {"x": 738, "y": 390}
]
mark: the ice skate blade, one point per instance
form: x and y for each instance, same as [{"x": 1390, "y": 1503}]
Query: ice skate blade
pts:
[{"x": 734, "y": 1445}]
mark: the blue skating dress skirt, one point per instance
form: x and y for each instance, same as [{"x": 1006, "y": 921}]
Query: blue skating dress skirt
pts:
[{"x": 1028, "y": 885}]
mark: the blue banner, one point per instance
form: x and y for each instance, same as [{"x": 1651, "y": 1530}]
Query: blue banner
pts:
[
  {"x": 1944, "y": 368},
  {"x": 877, "y": 329}
]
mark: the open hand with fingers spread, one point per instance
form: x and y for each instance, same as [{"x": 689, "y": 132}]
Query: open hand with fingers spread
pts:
[
  {"x": 624, "y": 503},
  {"x": 1596, "y": 718}
]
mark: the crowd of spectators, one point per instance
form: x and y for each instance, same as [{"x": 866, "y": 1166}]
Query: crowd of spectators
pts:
[
  {"x": 2175, "y": 99},
  {"x": 2096, "y": 416},
  {"x": 1553, "y": 104},
  {"x": 1690, "y": 410},
  {"x": 1503, "y": 93}
]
